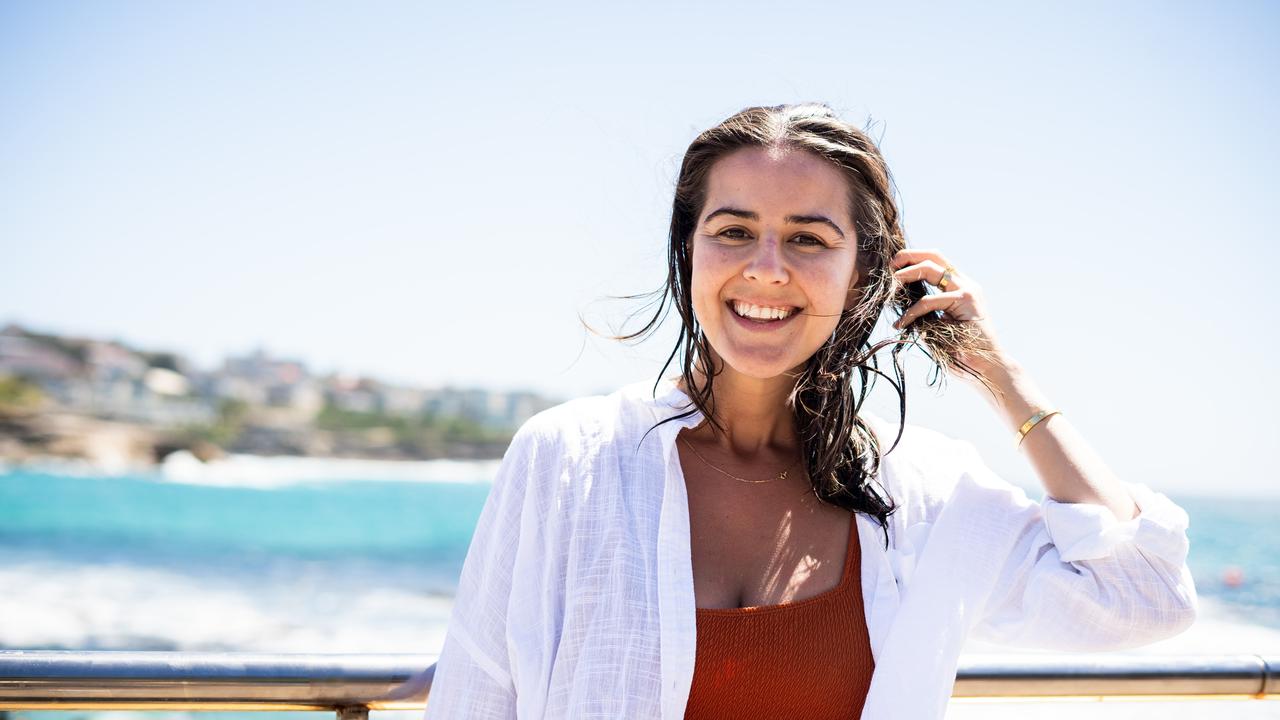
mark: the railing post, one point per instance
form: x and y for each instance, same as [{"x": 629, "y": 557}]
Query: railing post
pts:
[{"x": 353, "y": 712}]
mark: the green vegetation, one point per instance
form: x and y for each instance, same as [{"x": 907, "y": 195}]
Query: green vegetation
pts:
[
  {"x": 425, "y": 434},
  {"x": 230, "y": 423},
  {"x": 17, "y": 394}
]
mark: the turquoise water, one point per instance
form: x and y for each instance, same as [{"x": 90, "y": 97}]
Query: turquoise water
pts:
[
  {"x": 1242, "y": 533},
  {"x": 137, "y": 562},
  {"x": 144, "y": 518}
]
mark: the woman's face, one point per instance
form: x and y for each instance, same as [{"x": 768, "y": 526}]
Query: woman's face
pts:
[{"x": 775, "y": 232}]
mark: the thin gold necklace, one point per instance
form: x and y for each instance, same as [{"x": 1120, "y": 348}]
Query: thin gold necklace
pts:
[{"x": 781, "y": 476}]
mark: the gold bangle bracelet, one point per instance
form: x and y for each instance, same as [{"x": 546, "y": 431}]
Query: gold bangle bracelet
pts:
[{"x": 1030, "y": 423}]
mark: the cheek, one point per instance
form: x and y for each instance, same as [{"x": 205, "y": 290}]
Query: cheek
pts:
[
  {"x": 833, "y": 285},
  {"x": 709, "y": 258},
  {"x": 707, "y": 277},
  {"x": 699, "y": 287}
]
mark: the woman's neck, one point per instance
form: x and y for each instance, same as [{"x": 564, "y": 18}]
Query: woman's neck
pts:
[{"x": 753, "y": 412}]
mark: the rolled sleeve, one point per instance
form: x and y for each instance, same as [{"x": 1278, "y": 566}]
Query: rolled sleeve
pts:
[
  {"x": 1078, "y": 578},
  {"x": 1084, "y": 531}
]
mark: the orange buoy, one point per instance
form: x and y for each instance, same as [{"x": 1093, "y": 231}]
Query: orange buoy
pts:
[{"x": 1233, "y": 576}]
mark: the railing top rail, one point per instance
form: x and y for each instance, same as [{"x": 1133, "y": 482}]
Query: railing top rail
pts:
[
  {"x": 209, "y": 680},
  {"x": 264, "y": 681}
]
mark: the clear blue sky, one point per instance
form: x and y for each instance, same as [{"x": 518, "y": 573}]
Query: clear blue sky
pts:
[{"x": 431, "y": 194}]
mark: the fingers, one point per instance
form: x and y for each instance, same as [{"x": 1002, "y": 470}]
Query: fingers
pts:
[
  {"x": 922, "y": 265},
  {"x": 929, "y": 271},
  {"x": 912, "y": 256},
  {"x": 959, "y": 304}
]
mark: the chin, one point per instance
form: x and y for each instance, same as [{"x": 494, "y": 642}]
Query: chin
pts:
[
  {"x": 760, "y": 369},
  {"x": 758, "y": 362}
]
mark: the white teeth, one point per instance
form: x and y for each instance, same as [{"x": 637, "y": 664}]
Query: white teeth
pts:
[{"x": 761, "y": 313}]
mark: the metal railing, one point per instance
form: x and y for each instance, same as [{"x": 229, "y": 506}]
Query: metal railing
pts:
[{"x": 352, "y": 685}]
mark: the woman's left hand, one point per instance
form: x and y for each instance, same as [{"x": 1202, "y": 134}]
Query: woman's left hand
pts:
[{"x": 960, "y": 299}]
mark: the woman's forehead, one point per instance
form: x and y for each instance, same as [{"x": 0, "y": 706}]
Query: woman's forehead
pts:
[{"x": 767, "y": 183}]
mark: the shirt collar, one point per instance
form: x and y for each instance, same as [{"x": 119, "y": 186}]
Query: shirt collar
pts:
[{"x": 669, "y": 395}]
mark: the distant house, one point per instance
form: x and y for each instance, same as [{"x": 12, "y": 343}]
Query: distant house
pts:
[
  {"x": 107, "y": 379},
  {"x": 29, "y": 358},
  {"x": 280, "y": 384},
  {"x": 108, "y": 362},
  {"x": 101, "y": 378},
  {"x": 492, "y": 409},
  {"x": 352, "y": 394},
  {"x": 406, "y": 401},
  {"x": 297, "y": 402}
]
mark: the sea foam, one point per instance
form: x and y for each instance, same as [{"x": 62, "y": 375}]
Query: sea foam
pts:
[
  {"x": 48, "y": 604},
  {"x": 279, "y": 471}
]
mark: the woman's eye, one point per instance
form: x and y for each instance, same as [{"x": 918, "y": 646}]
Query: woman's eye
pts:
[{"x": 739, "y": 234}]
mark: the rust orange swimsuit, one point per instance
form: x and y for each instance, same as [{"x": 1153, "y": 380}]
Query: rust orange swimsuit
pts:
[{"x": 807, "y": 659}]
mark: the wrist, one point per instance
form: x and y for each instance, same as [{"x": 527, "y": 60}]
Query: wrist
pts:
[
  {"x": 1018, "y": 396},
  {"x": 1003, "y": 374},
  {"x": 1002, "y": 366}
]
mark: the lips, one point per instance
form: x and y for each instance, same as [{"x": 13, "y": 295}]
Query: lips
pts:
[
  {"x": 764, "y": 305},
  {"x": 760, "y": 325},
  {"x": 761, "y": 303}
]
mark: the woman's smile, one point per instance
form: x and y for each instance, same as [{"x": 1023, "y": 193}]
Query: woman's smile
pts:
[{"x": 753, "y": 324}]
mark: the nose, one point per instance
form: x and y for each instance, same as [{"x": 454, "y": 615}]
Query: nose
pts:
[{"x": 767, "y": 264}]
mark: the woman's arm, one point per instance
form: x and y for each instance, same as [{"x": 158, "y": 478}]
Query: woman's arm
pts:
[
  {"x": 474, "y": 676},
  {"x": 1076, "y": 578},
  {"x": 1069, "y": 469},
  {"x": 1101, "y": 563}
]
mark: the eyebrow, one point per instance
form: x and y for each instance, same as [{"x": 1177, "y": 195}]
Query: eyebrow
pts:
[{"x": 791, "y": 219}]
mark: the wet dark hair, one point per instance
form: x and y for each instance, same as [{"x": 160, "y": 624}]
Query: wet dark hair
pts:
[{"x": 841, "y": 453}]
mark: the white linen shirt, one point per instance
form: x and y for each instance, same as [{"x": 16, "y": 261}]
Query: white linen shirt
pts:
[{"x": 576, "y": 596}]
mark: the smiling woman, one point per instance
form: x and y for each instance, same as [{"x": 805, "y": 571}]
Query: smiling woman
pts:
[
  {"x": 790, "y": 207},
  {"x": 760, "y": 555},
  {"x": 755, "y": 252}
]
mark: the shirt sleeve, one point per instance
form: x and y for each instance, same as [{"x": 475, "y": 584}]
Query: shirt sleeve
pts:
[
  {"x": 1079, "y": 579},
  {"x": 473, "y": 673}
]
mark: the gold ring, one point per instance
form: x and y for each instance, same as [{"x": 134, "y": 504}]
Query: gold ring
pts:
[{"x": 942, "y": 282}]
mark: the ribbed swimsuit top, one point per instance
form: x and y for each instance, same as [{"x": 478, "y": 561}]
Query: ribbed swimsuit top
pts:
[{"x": 808, "y": 659}]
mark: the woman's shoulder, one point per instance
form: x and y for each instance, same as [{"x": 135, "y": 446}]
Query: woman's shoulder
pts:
[
  {"x": 563, "y": 452},
  {"x": 565, "y": 423},
  {"x": 591, "y": 421}
]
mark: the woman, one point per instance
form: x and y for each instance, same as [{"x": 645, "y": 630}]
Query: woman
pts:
[{"x": 750, "y": 542}]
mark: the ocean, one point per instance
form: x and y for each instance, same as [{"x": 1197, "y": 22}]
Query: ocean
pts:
[{"x": 291, "y": 555}]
